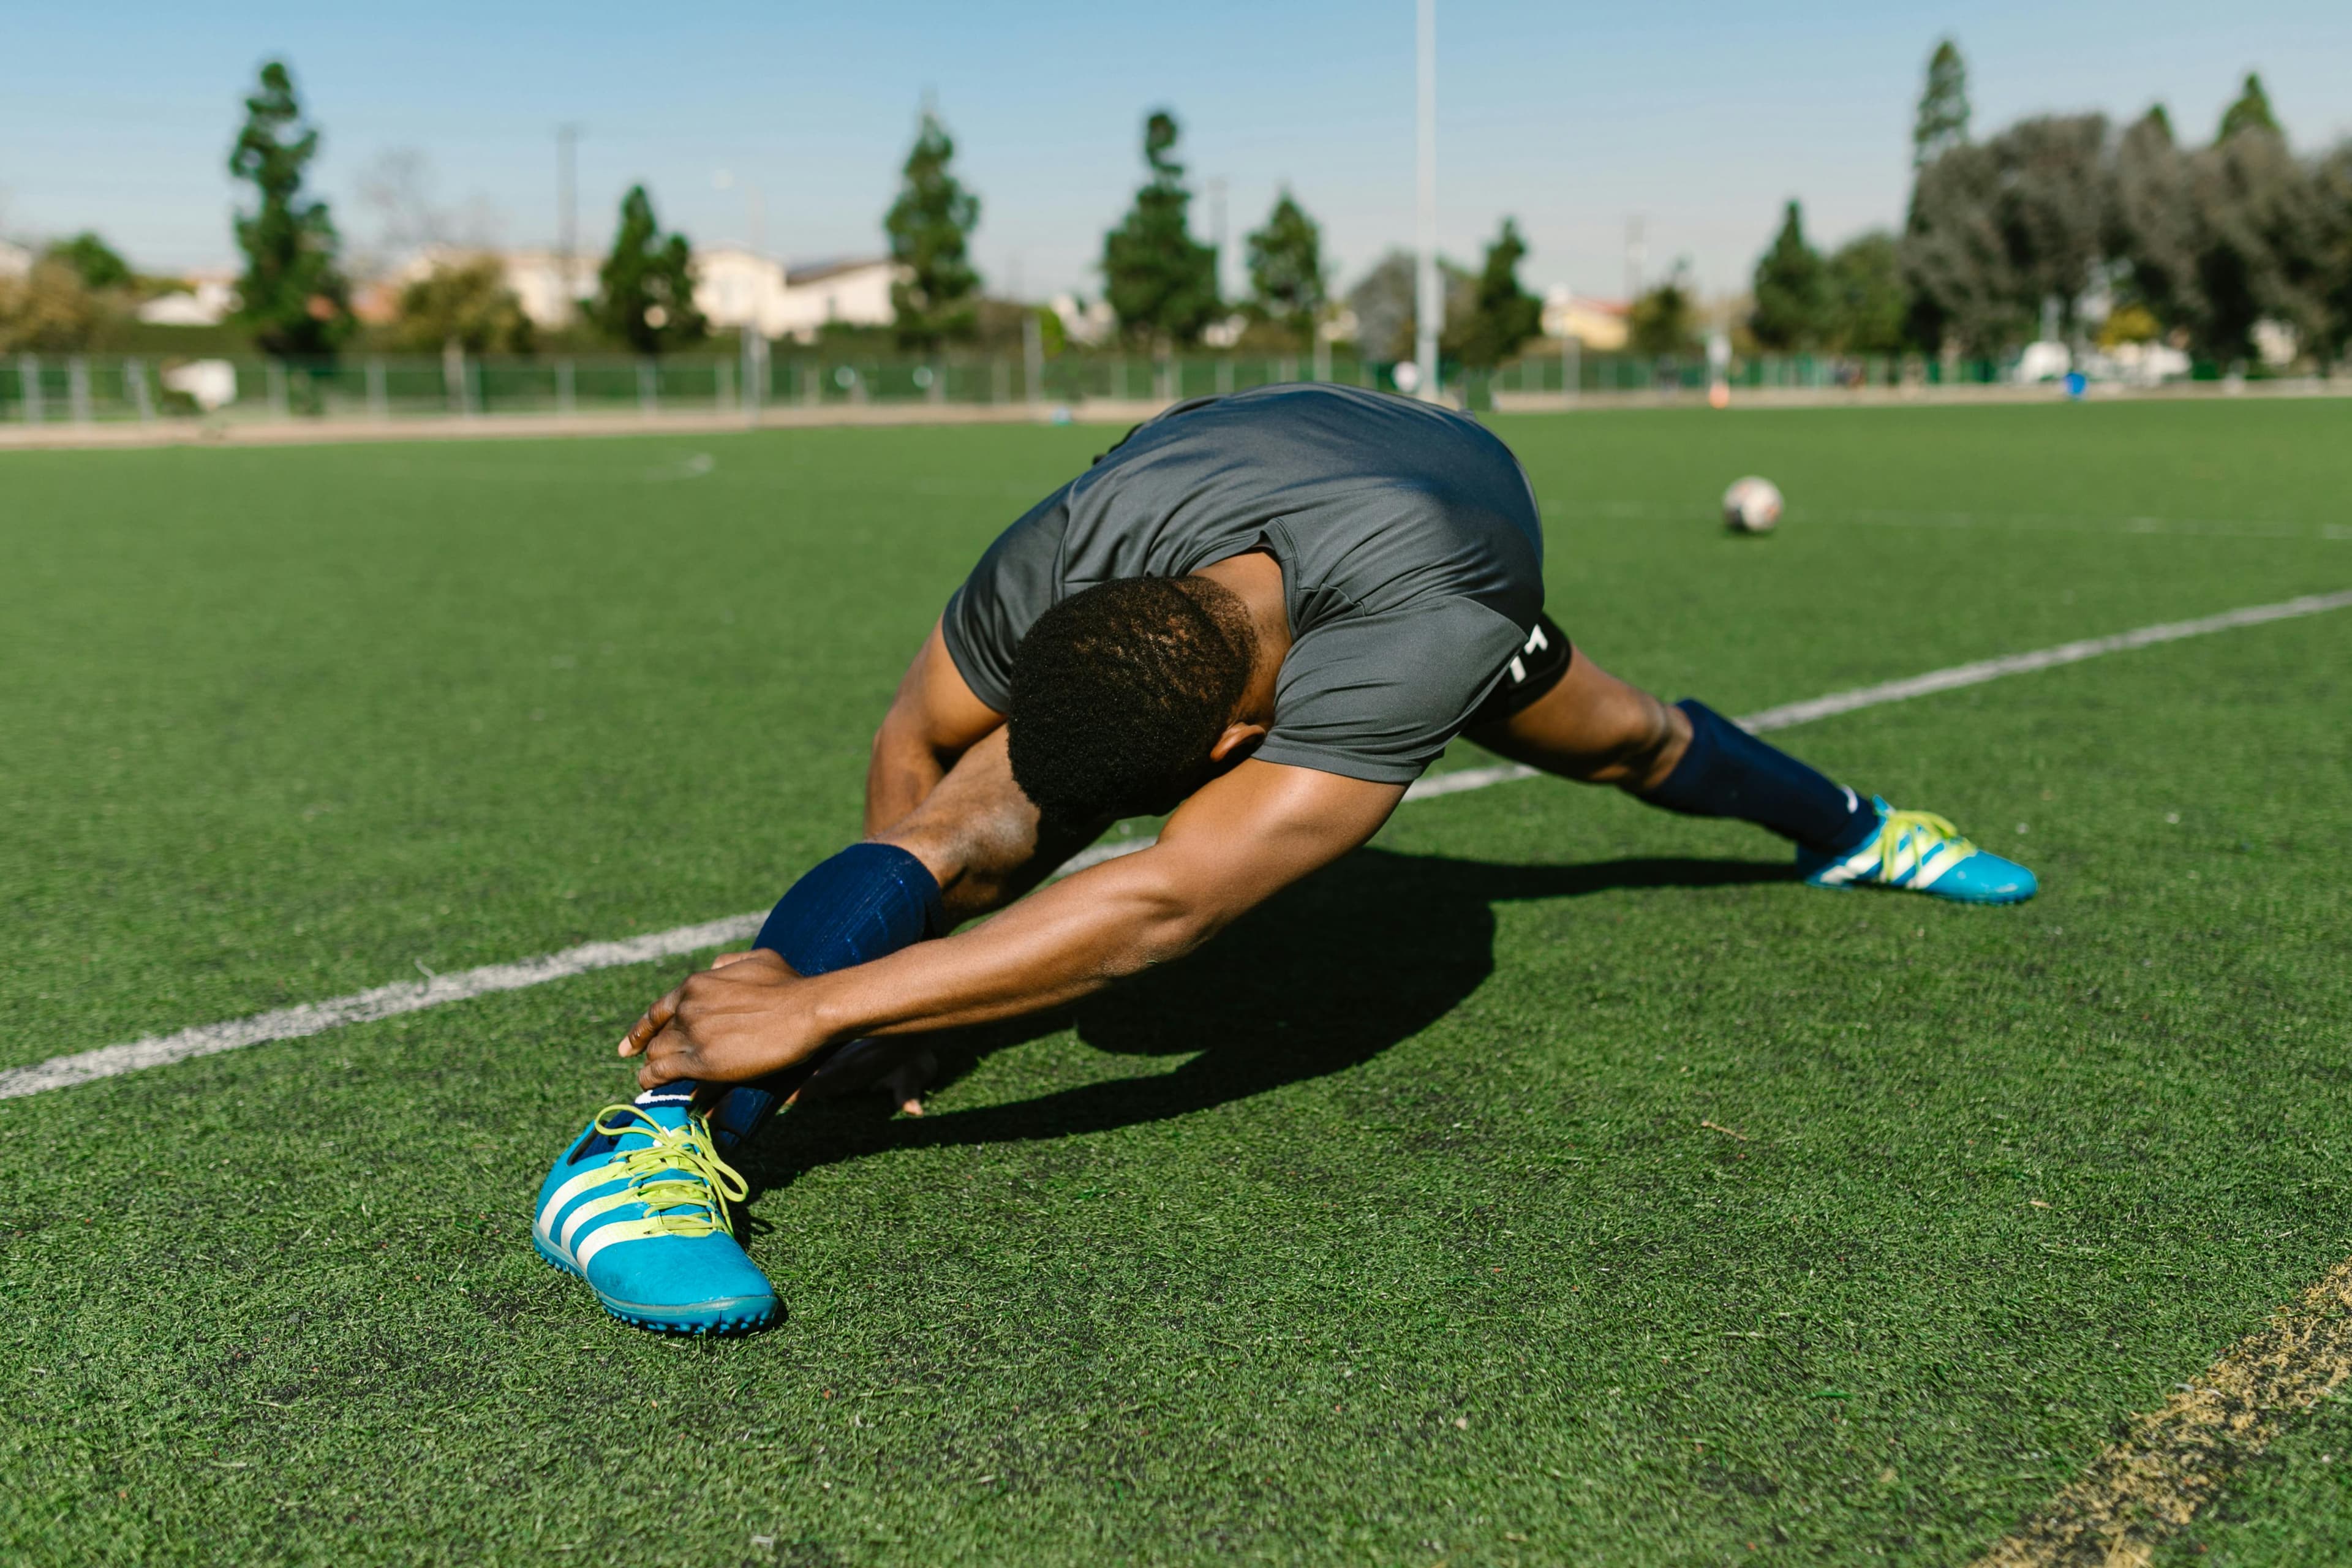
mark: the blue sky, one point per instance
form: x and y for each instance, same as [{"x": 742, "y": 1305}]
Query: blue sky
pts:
[{"x": 1702, "y": 117}]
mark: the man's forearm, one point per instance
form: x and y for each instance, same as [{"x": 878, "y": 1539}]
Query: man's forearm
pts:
[{"x": 1065, "y": 942}]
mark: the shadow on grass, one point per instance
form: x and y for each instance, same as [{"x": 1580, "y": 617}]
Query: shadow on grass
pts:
[{"x": 1327, "y": 974}]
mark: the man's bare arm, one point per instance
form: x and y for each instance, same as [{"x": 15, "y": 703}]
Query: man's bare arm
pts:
[
  {"x": 934, "y": 720},
  {"x": 1238, "y": 841}
]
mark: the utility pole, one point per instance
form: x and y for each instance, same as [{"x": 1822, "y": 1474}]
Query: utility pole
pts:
[
  {"x": 567, "y": 215},
  {"x": 1430, "y": 311}
]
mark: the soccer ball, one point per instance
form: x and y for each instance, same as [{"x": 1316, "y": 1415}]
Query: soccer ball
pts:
[{"x": 1751, "y": 505}]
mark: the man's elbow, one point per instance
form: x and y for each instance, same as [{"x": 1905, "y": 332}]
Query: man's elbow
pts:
[{"x": 1176, "y": 924}]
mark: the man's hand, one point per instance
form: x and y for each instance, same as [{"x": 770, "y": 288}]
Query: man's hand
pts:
[{"x": 738, "y": 1019}]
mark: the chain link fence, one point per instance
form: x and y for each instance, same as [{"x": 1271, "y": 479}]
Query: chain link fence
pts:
[{"x": 89, "y": 388}]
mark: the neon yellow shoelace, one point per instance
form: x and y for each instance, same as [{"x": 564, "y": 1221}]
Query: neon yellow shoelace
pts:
[
  {"x": 1922, "y": 834},
  {"x": 684, "y": 1184}
]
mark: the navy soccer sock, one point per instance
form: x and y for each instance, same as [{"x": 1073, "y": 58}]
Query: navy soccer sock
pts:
[
  {"x": 1728, "y": 772},
  {"x": 867, "y": 901}
]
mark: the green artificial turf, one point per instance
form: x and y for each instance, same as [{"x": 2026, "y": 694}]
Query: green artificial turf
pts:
[{"x": 1386, "y": 1230}]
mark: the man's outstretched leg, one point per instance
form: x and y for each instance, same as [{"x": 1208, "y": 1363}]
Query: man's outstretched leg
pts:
[
  {"x": 1689, "y": 758},
  {"x": 637, "y": 1206}
]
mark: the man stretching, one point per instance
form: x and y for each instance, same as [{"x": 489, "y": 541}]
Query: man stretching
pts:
[{"x": 1266, "y": 613}]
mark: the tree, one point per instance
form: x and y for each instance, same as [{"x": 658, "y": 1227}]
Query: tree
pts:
[
  {"x": 1288, "y": 278},
  {"x": 2151, "y": 224},
  {"x": 94, "y": 261},
  {"x": 931, "y": 228},
  {"x": 2262, "y": 243},
  {"x": 2051, "y": 207},
  {"x": 1943, "y": 120},
  {"x": 1996, "y": 228},
  {"x": 1955, "y": 262},
  {"x": 2332, "y": 181},
  {"x": 645, "y": 291},
  {"x": 293, "y": 293},
  {"x": 1386, "y": 305},
  {"x": 465, "y": 303},
  {"x": 1791, "y": 287},
  {"x": 1499, "y": 315},
  {"x": 2252, "y": 111},
  {"x": 1159, "y": 282},
  {"x": 1863, "y": 301},
  {"x": 1382, "y": 304},
  {"x": 1664, "y": 319},
  {"x": 49, "y": 309}
]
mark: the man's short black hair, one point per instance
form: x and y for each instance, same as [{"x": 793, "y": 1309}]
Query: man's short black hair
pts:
[{"x": 1119, "y": 693}]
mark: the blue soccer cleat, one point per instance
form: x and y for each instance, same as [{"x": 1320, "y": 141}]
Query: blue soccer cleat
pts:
[
  {"x": 637, "y": 1207},
  {"x": 1924, "y": 853}
]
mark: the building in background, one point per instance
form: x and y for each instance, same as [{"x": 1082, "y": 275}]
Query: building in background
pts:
[
  {"x": 1599, "y": 324},
  {"x": 14, "y": 260},
  {"x": 734, "y": 288},
  {"x": 836, "y": 293},
  {"x": 1083, "y": 322},
  {"x": 549, "y": 285},
  {"x": 206, "y": 301}
]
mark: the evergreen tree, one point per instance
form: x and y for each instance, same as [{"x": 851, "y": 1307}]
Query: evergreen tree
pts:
[
  {"x": 645, "y": 291},
  {"x": 1665, "y": 320},
  {"x": 293, "y": 293},
  {"x": 1790, "y": 289},
  {"x": 2252, "y": 111},
  {"x": 1863, "y": 301},
  {"x": 1288, "y": 278},
  {"x": 1502, "y": 315},
  {"x": 1160, "y": 282},
  {"x": 1943, "y": 121},
  {"x": 931, "y": 228},
  {"x": 93, "y": 260}
]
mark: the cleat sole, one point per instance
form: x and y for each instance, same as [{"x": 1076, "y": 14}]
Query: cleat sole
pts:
[{"x": 728, "y": 1315}]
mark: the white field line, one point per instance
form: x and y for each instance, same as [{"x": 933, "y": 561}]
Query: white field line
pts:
[{"x": 411, "y": 996}]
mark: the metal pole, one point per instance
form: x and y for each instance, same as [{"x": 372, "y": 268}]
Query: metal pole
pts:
[
  {"x": 648, "y": 397},
  {"x": 567, "y": 217},
  {"x": 379, "y": 405},
  {"x": 78, "y": 388},
  {"x": 1431, "y": 311},
  {"x": 1033, "y": 355},
  {"x": 29, "y": 375},
  {"x": 1571, "y": 366},
  {"x": 134, "y": 371},
  {"x": 755, "y": 379}
]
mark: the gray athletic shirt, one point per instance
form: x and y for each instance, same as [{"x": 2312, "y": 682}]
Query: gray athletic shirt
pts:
[{"x": 1412, "y": 560}]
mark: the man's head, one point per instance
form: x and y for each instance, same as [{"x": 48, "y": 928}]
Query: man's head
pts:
[{"x": 1126, "y": 697}]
